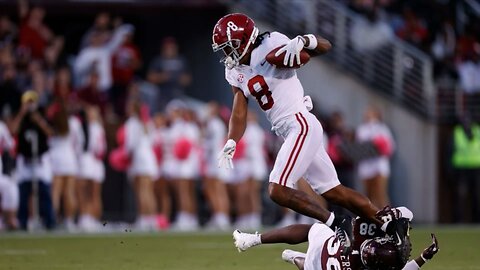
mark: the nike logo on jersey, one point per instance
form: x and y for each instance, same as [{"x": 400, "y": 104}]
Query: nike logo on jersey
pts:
[{"x": 263, "y": 63}]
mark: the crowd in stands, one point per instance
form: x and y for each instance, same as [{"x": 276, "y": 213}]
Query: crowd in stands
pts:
[
  {"x": 59, "y": 115},
  {"x": 58, "y": 111},
  {"x": 446, "y": 30}
]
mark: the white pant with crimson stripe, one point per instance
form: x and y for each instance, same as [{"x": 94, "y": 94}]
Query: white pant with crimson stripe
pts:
[{"x": 303, "y": 155}]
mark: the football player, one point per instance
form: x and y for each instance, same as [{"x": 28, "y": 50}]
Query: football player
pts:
[
  {"x": 280, "y": 94},
  {"x": 372, "y": 248}
]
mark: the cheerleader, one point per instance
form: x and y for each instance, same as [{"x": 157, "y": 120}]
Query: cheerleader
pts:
[
  {"x": 8, "y": 189},
  {"x": 215, "y": 190},
  {"x": 374, "y": 172},
  {"x": 143, "y": 168},
  {"x": 162, "y": 193},
  {"x": 92, "y": 170},
  {"x": 237, "y": 186},
  {"x": 256, "y": 156},
  {"x": 184, "y": 135},
  {"x": 63, "y": 156}
]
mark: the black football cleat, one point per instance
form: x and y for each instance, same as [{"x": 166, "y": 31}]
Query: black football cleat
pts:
[{"x": 342, "y": 225}]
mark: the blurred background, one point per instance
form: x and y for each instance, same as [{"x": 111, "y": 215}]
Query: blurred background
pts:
[{"x": 113, "y": 112}]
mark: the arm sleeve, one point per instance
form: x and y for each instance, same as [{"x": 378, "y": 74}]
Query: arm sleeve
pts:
[{"x": 411, "y": 265}]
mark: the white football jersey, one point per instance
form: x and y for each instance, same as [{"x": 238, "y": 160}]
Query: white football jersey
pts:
[{"x": 277, "y": 90}]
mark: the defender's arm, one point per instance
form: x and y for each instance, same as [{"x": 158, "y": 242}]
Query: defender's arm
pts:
[{"x": 425, "y": 256}]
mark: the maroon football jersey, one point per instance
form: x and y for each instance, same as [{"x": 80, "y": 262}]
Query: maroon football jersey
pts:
[
  {"x": 332, "y": 257},
  {"x": 364, "y": 229}
]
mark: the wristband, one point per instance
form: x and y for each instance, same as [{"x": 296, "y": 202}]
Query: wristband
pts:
[{"x": 313, "y": 42}]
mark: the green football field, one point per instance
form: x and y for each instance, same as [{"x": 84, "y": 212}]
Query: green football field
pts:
[{"x": 459, "y": 249}]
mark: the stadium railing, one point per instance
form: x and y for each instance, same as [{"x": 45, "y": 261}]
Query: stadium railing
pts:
[{"x": 397, "y": 70}]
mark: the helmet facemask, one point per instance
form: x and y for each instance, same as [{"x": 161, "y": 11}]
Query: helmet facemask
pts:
[{"x": 232, "y": 53}]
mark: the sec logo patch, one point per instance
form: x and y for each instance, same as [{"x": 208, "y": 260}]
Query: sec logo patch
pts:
[{"x": 240, "y": 78}]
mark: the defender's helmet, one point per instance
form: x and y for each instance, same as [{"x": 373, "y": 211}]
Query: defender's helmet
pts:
[
  {"x": 234, "y": 34},
  {"x": 381, "y": 253}
]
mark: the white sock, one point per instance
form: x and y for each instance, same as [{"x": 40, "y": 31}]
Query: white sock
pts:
[{"x": 330, "y": 219}]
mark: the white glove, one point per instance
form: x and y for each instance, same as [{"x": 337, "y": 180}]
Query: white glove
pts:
[
  {"x": 226, "y": 155},
  {"x": 292, "y": 51}
]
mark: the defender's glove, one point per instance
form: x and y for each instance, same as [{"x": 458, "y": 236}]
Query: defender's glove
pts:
[
  {"x": 226, "y": 155},
  {"x": 292, "y": 51},
  {"x": 428, "y": 253}
]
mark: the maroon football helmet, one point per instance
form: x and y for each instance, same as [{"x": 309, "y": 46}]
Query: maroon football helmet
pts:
[
  {"x": 381, "y": 253},
  {"x": 234, "y": 34}
]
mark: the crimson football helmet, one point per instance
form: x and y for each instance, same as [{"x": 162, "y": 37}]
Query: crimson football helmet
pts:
[
  {"x": 234, "y": 34},
  {"x": 381, "y": 253}
]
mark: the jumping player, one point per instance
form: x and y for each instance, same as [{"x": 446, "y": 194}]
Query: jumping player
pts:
[
  {"x": 280, "y": 94},
  {"x": 372, "y": 249}
]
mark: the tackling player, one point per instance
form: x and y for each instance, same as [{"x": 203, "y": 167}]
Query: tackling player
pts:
[
  {"x": 372, "y": 249},
  {"x": 280, "y": 94}
]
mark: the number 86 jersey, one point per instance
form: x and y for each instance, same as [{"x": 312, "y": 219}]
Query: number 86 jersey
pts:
[{"x": 277, "y": 90}]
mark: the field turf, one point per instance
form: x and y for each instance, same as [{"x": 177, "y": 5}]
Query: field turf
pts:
[{"x": 459, "y": 249}]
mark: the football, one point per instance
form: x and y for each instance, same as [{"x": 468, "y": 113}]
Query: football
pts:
[{"x": 278, "y": 60}]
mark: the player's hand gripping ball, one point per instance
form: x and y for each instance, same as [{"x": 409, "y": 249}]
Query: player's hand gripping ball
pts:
[{"x": 294, "y": 61}]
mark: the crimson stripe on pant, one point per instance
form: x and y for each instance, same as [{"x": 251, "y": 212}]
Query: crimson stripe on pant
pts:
[
  {"x": 291, "y": 153},
  {"x": 301, "y": 145},
  {"x": 296, "y": 149}
]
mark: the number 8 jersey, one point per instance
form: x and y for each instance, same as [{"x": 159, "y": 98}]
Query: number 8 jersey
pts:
[{"x": 277, "y": 90}]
